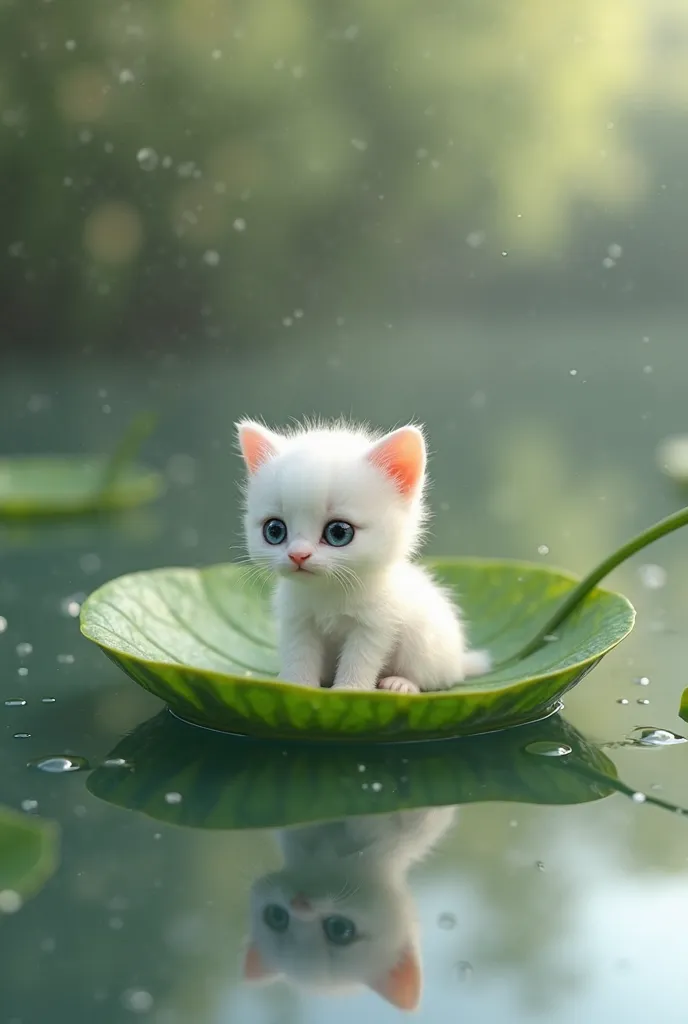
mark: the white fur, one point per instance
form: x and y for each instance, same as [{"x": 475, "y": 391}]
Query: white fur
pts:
[{"x": 362, "y": 615}]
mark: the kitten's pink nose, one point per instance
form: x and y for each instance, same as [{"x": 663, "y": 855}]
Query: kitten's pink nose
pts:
[
  {"x": 299, "y": 557},
  {"x": 300, "y": 903}
]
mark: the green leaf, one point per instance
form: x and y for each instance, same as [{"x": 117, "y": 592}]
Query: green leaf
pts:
[
  {"x": 203, "y": 641},
  {"x": 54, "y": 485},
  {"x": 683, "y": 711},
  {"x": 235, "y": 783},
  {"x": 28, "y": 852}
]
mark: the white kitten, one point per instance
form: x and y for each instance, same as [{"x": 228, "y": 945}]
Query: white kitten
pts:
[
  {"x": 338, "y": 514},
  {"x": 339, "y": 913}
]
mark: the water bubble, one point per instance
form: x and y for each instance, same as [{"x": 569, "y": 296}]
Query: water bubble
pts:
[
  {"x": 147, "y": 159},
  {"x": 239, "y": 224},
  {"x": 639, "y": 798},
  {"x": 622, "y": 700},
  {"x": 464, "y": 970},
  {"x": 3, "y": 623},
  {"x": 137, "y": 1000},
  {"x": 650, "y": 737},
  {"x": 642, "y": 700},
  {"x": 447, "y": 921},
  {"x": 361, "y": 767},
  {"x": 376, "y": 787},
  {"x": 24, "y": 650},
  {"x": 57, "y": 764},
  {"x": 29, "y": 805},
  {"x": 543, "y": 549},
  {"x": 65, "y": 659},
  {"x": 10, "y": 901},
  {"x": 547, "y": 748},
  {"x": 15, "y": 702},
  {"x": 652, "y": 576},
  {"x": 173, "y": 798},
  {"x": 642, "y": 681}
]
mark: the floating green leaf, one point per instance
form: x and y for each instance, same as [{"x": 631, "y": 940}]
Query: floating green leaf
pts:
[
  {"x": 233, "y": 783},
  {"x": 203, "y": 641},
  {"x": 28, "y": 852},
  {"x": 59, "y": 485}
]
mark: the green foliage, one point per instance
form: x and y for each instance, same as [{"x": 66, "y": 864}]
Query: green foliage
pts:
[
  {"x": 203, "y": 641},
  {"x": 28, "y": 852},
  {"x": 231, "y": 783}
]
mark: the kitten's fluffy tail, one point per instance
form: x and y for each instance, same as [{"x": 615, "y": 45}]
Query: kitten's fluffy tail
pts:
[{"x": 476, "y": 663}]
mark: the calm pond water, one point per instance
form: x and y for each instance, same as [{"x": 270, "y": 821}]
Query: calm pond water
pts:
[{"x": 547, "y": 894}]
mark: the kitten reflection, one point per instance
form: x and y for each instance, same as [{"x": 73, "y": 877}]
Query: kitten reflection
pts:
[{"x": 340, "y": 914}]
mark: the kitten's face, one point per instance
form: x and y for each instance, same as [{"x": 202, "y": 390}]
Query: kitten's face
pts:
[
  {"x": 332, "y": 503},
  {"x": 332, "y": 935}
]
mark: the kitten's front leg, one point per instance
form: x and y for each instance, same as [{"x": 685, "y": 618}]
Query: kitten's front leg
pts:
[
  {"x": 301, "y": 652},
  {"x": 363, "y": 657}
]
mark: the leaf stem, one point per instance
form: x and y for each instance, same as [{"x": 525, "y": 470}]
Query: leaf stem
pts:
[
  {"x": 125, "y": 451},
  {"x": 665, "y": 526}
]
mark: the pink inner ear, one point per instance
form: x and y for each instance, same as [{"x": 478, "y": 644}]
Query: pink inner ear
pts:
[
  {"x": 402, "y": 984},
  {"x": 257, "y": 445},
  {"x": 401, "y": 455}
]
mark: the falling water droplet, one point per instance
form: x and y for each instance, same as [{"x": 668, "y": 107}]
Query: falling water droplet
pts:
[
  {"x": 10, "y": 901},
  {"x": 376, "y": 786},
  {"x": 114, "y": 762},
  {"x": 48, "y": 700},
  {"x": 643, "y": 700},
  {"x": 58, "y": 763},
  {"x": 543, "y": 549},
  {"x": 622, "y": 700},
  {"x": 547, "y": 748},
  {"x": 15, "y": 702},
  {"x": 642, "y": 681},
  {"x": 653, "y": 577},
  {"x": 147, "y": 159},
  {"x": 24, "y": 650},
  {"x": 447, "y": 921},
  {"x": 22, "y": 736},
  {"x": 639, "y": 798},
  {"x": 137, "y": 1000},
  {"x": 173, "y": 798},
  {"x": 29, "y": 805}
]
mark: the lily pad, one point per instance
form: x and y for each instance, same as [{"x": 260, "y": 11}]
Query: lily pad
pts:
[
  {"x": 183, "y": 776},
  {"x": 203, "y": 641},
  {"x": 28, "y": 852},
  {"x": 60, "y": 485}
]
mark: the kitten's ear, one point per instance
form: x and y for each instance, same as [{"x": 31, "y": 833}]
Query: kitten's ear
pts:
[
  {"x": 257, "y": 443},
  {"x": 402, "y": 984},
  {"x": 254, "y": 966},
  {"x": 401, "y": 456}
]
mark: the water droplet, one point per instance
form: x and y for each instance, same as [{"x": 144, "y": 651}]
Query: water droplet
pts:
[
  {"x": 642, "y": 700},
  {"x": 3, "y": 623},
  {"x": 65, "y": 659},
  {"x": 15, "y": 702},
  {"x": 573, "y": 373},
  {"x": 239, "y": 224},
  {"x": 211, "y": 257},
  {"x": 639, "y": 798},
  {"x": 58, "y": 763},
  {"x": 475, "y": 239},
  {"x": 540, "y": 865},
  {"x": 615, "y": 251},
  {"x": 649, "y": 737},
  {"x": 137, "y": 1000},
  {"x": 361, "y": 767},
  {"x": 48, "y": 700},
  {"x": 10, "y": 901},
  {"x": 547, "y": 748},
  {"x": 447, "y": 921},
  {"x": 642, "y": 681},
  {"x": 376, "y": 787},
  {"x": 23, "y": 671},
  {"x": 550, "y": 638},
  {"x": 653, "y": 577},
  {"x": 608, "y": 263},
  {"x": 216, "y": 54},
  {"x": 89, "y": 563},
  {"x": 622, "y": 700},
  {"x": 114, "y": 762},
  {"x": 147, "y": 159},
  {"x": 22, "y": 736},
  {"x": 173, "y": 798},
  {"x": 29, "y": 805},
  {"x": 647, "y": 369},
  {"x": 126, "y": 76},
  {"x": 543, "y": 549},
  {"x": 504, "y": 252},
  {"x": 24, "y": 650},
  {"x": 464, "y": 970},
  {"x": 70, "y": 44},
  {"x": 71, "y": 605}
]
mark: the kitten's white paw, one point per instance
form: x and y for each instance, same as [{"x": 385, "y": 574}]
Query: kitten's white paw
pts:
[{"x": 397, "y": 684}]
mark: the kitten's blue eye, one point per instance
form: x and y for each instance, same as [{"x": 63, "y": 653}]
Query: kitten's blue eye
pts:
[
  {"x": 276, "y": 917},
  {"x": 340, "y": 931},
  {"x": 275, "y": 531},
  {"x": 338, "y": 534}
]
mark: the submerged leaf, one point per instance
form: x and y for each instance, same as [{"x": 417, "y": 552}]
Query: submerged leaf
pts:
[
  {"x": 203, "y": 641},
  {"x": 221, "y": 782},
  {"x": 28, "y": 852}
]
